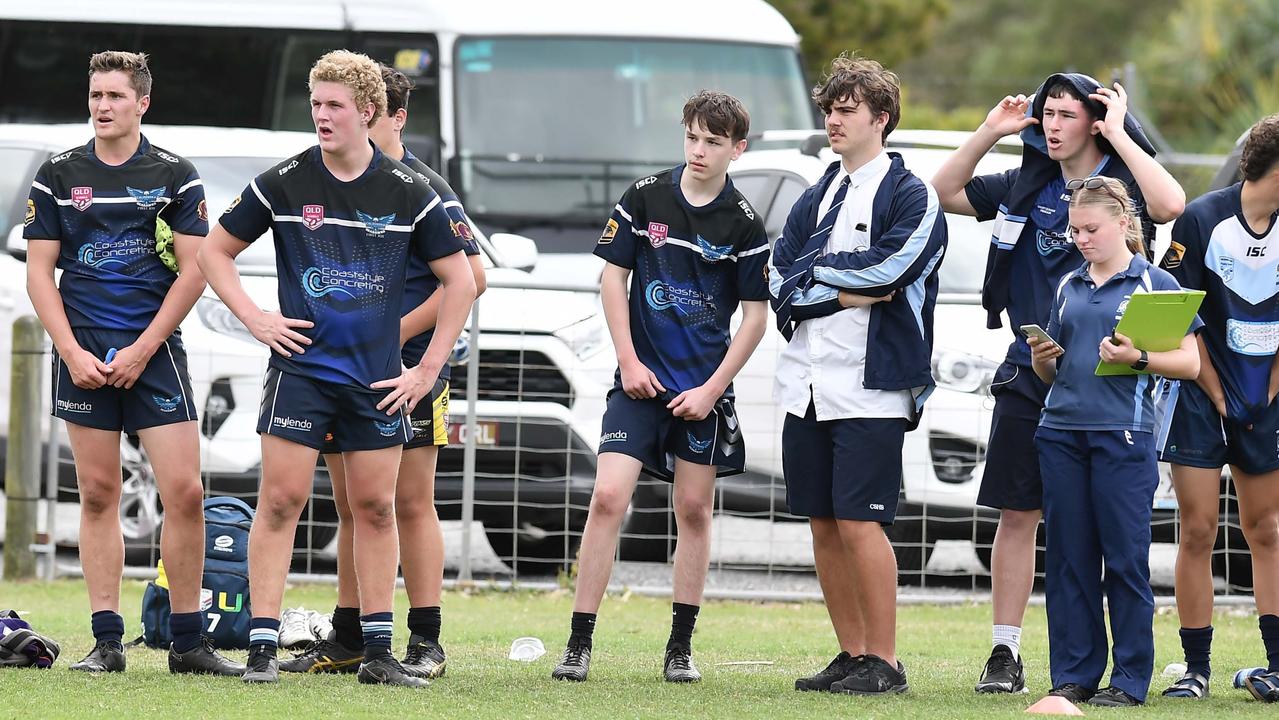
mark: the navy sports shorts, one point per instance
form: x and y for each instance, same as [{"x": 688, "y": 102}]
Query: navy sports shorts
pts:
[
  {"x": 848, "y": 469},
  {"x": 648, "y": 432},
  {"x": 304, "y": 411},
  {"x": 1193, "y": 434},
  {"x": 160, "y": 396},
  {"x": 429, "y": 421},
  {"x": 1011, "y": 479}
]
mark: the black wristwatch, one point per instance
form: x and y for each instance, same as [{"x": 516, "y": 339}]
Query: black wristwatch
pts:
[{"x": 1142, "y": 361}]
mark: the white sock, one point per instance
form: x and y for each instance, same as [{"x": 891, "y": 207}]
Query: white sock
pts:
[{"x": 1007, "y": 635}]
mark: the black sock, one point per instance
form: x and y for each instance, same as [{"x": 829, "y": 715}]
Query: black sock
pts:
[
  {"x": 683, "y": 618},
  {"x": 186, "y": 629},
  {"x": 1269, "y": 625},
  {"x": 425, "y": 622},
  {"x": 346, "y": 627},
  {"x": 1197, "y": 644},
  {"x": 108, "y": 626},
  {"x": 583, "y": 628}
]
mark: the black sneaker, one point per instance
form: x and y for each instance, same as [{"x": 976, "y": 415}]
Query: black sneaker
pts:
[
  {"x": 873, "y": 676},
  {"x": 1073, "y": 692},
  {"x": 106, "y": 656},
  {"x": 326, "y": 656},
  {"x": 838, "y": 669},
  {"x": 384, "y": 669},
  {"x": 1114, "y": 697},
  {"x": 575, "y": 664},
  {"x": 203, "y": 660},
  {"x": 678, "y": 666},
  {"x": 262, "y": 666},
  {"x": 424, "y": 658},
  {"x": 1003, "y": 673}
]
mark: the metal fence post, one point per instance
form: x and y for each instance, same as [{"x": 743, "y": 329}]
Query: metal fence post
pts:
[
  {"x": 468, "y": 445},
  {"x": 22, "y": 461}
]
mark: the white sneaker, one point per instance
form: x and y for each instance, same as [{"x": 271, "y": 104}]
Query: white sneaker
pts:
[
  {"x": 321, "y": 625},
  {"x": 295, "y": 631}
]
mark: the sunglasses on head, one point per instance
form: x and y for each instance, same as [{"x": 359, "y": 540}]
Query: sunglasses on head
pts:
[{"x": 1097, "y": 182}]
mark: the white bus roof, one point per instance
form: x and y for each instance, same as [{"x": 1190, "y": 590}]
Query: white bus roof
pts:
[{"x": 752, "y": 21}]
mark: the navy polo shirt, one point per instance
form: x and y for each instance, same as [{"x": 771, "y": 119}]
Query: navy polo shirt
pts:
[{"x": 1083, "y": 314}]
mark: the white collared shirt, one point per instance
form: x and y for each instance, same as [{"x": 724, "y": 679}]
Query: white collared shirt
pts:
[{"x": 826, "y": 359}]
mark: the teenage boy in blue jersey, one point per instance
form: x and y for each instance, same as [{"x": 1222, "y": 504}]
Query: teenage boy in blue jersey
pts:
[
  {"x": 346, "y": 219},
  {"x": 1097, "y": 454},
  {"x": 421, "y": 539},
  {"x": 854, "y": 282},
  {"x": 1072, "y": 127},
  {"x": 692, "y": 249},
  {"x": 119, "y": 364},
  {"x": 1227, "y": 244}
]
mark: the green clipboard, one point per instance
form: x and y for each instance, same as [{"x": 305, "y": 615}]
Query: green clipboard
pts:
[{"x": 1155, "y": 321}]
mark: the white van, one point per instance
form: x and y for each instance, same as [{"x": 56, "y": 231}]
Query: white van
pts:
[{"x": 539, "y": 114}]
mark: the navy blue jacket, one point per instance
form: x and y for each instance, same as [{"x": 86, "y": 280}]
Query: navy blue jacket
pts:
[{"x": 908, "y": 240}]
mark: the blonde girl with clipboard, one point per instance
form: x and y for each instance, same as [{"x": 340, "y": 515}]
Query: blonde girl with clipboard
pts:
[{"x": 1097, "y": 455}]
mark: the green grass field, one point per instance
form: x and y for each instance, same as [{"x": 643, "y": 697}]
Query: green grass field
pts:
[{"x": 942, "y": 647}]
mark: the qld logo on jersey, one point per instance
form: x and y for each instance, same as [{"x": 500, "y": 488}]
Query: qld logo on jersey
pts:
[
  {"x": 312, "y": 216},
  {"x": 657, "y": 234},
  {"x": 375, "y": 226},
  {"x": 81, "y": 198},
  {"x": 321, "y": 281},
  {"x": 1052, "y": 242},
  {"x": 713, "y": 253},
  {"x": 388, "y": 429},
  {"x": 167, "y": 404},
  {"x": 146, "y": 199}
]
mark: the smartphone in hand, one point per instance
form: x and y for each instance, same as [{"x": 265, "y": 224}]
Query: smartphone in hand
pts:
[{"x": 1035, "y": 331}]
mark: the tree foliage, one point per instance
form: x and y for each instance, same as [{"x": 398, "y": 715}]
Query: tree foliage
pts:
[{"x": 887, "y": 30}]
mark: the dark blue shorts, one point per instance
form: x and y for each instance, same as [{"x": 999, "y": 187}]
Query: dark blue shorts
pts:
[
  {"x": 847, "y": 469},
  {"x": 1011, "y": 480},
  {"x": 1193, "y": 434},
  {"x": 429, "y": 421},
  {"x": 160, "y": 396},
  {"x": 304, "y": 411},
  {"x": 648, "y": 432}
]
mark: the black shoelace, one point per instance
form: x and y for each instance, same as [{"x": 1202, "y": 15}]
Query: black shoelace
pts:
[
  {"x": 573, "y": 654},
  {"x": 680, "y": 659}
]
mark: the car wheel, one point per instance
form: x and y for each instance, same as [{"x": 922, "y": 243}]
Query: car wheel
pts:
[
  {"x": 534, "y": 550},
  {"x": 141, "y": 512},
  {"x": 648, "y": 530},
  {"x": 913, "y": 551}
]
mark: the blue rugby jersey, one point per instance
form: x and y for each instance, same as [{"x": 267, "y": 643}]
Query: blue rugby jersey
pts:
[
  {"x": 1213, "y": 249},
  {"x": 1039, "y": 266},
  {"x": 421, "y": 282},
  {"x": 1081, "y": 315},
  {"x": 342, "y": 250},
  {"x": 691, "y": 266},
  {"x": 104, "y": 218}
]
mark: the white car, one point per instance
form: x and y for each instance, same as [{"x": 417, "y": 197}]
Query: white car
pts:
[{"x": 539, "y": 393}]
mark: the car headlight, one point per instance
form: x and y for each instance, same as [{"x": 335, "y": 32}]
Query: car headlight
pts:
[
  {"x": 217, "y": 317},
  {"x": 963, "y": 372},
  {"x": 585, "y": 338}
]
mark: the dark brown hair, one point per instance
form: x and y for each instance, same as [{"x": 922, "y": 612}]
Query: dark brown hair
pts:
[
  {"x": 861, "y": 80},
  {"x": 1260, "y": 149},
  {"x": 398, "y": 87},
  {"x": 721, "y": 114},
  {"x": 131, "y": 63}
]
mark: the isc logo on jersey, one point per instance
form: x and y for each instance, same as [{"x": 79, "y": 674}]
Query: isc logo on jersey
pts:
[
  {"x": 746, "y": 208},
  {"x": 646, "y": 182},
  {"x": 166, "y": 156},
  {"x": 401, "y": 176},
  {"x": 288, "y": 167}
]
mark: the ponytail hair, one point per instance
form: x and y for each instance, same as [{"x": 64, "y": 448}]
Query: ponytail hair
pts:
[{"x": 1113, "y": 194}]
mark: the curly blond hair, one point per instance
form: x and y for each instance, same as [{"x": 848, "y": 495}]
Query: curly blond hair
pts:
[{"x": 356, "y": 71}]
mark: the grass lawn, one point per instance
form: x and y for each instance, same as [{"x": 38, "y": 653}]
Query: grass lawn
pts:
[{"x": 943, "y": 649}]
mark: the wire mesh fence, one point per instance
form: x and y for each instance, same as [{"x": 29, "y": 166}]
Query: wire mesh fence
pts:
[{"x": 528, "y": 404}]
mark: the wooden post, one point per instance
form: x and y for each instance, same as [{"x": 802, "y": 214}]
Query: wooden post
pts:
[{"x": 22, "y": 460}]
